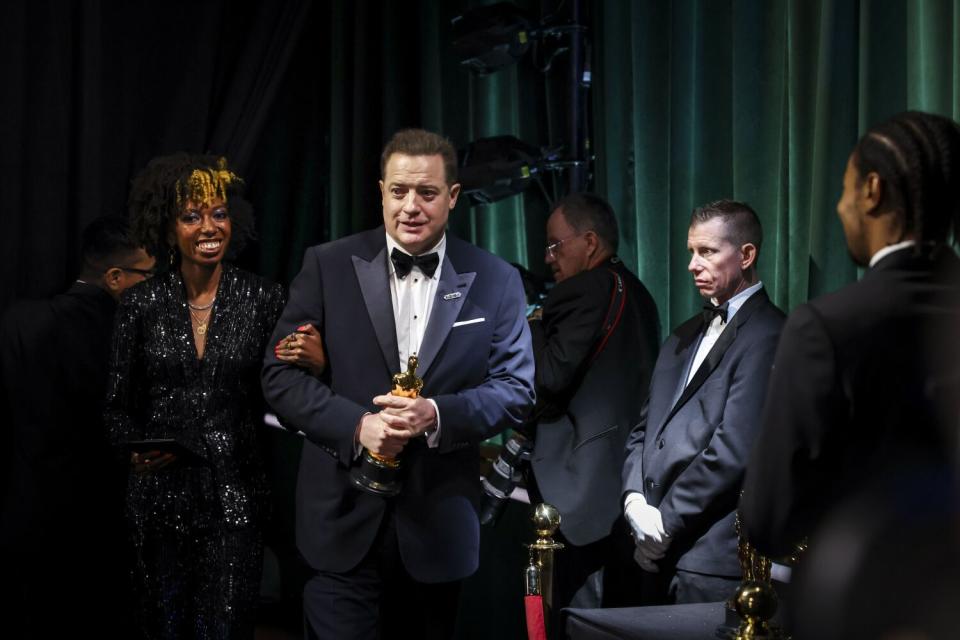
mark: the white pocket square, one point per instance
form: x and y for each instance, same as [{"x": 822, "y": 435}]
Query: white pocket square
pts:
[{"x": 463, "y": 322}]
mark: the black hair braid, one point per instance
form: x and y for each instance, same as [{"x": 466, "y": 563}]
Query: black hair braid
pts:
[
  {"x": 915, "y": 154},
  {"x": 915, "y": 181},
  {"x": 947, "y": 144}
]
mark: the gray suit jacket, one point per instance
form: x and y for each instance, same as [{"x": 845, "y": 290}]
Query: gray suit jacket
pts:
[
  {"x": 687, "y": 455},
  {"x": 595, "y": 353}
]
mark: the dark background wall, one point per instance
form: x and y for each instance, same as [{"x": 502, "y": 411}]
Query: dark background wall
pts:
[{"x": 692, "y": 101}]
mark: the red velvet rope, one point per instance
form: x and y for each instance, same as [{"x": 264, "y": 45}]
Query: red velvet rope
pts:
[{"x": 536, "y": 628}]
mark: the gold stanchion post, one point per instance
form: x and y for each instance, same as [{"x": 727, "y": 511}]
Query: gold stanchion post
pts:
[
  {"x": 539, "y": 573},
  {"x": 755, "y": 600}
]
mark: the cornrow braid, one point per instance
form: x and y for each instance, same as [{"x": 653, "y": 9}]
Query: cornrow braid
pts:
[
  {"x": 160, "y": 191},
  {"x": 915, "y": 154}
]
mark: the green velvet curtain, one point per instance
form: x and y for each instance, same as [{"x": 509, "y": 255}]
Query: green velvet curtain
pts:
[
  {"x": 761, "y": 101},
  {"x": 758, "y": 100}
]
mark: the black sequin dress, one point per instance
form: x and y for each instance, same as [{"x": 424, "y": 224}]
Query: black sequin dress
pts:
[{"x": 196, "y": 525}]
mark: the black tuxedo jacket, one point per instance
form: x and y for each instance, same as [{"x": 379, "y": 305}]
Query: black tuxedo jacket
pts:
[
  {"x": 591, "y": 384},
  {"x": 860, "y": 379},
  {"x": 688, "y": 454},
  {"x": 479, "y": 373},
  {"x": 61, "y": 497},
  {"x": 54, "y": 357}
]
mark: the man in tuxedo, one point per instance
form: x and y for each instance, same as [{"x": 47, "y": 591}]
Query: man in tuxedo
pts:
[
  {"x": 62, "y": 495},
  {"x": 392, "y": 566},
  {"x": 865, "y": 382},
  {"x": 595, "y": 343},
  {"x": 686, "y": 456}
]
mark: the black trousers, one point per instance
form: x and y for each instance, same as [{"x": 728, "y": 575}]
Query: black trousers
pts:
[
  {"x": 599, "y": 574},
  {"x": 677, "y": 586},
  {"x": 378, "y": 599}
]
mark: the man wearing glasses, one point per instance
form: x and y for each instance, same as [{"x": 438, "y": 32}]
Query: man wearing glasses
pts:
[
  {"x": 61, "y": 496},
  {"x": 595, "y": 345}
]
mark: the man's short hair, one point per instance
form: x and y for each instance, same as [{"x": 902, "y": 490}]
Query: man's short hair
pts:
[
  {"x": 917, "y": 156},
  {"x": 419, "y": 142},
  {"x": 106, "y": 242},
  {"x": 589, "y": 212},
  {"x": 740, "y": 221}
]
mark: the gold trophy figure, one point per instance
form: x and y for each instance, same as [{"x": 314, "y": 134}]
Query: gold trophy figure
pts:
[{"x": 378, "y": 474}]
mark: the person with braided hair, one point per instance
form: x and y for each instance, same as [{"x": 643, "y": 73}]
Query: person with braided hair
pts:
[
  {"x": 185, "y": 368},
  {"x": 865, "y": 380}
]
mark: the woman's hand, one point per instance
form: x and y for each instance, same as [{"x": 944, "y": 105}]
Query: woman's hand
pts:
[
  {"x": 151, "y": 461},
  {"x": 303, "y": 348}
]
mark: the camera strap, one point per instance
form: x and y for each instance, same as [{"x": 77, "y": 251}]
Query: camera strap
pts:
[{"x": 618, "y": 300}]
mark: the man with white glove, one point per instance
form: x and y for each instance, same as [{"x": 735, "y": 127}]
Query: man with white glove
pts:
[
  {"x": 647, "y": 528},
  {"x": 686, "y": 457}
]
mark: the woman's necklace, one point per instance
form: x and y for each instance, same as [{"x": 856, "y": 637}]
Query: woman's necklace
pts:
[
  {"x": 200, "y": 318},
  {"x": 202, "y": 307}
]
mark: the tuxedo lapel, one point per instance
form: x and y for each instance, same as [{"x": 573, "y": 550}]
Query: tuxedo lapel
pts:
[
  {"x": 707, "y": 366},
  {"x": 715, "y": 355},
  {"x": 452, "y": 290},
  {"x": 375, "y": 287}
]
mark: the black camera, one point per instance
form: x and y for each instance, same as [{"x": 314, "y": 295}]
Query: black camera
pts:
[{"x": 503, "y": 477}]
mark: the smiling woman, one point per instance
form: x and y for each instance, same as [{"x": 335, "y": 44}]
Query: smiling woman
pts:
[{"x": 183, "y": 382}]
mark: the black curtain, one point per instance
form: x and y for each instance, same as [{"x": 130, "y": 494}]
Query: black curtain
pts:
[
  {"x": 91, "y": 90},
  {"x": 366, "y": 69}
]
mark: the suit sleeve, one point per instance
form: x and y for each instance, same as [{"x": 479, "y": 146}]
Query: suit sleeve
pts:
[
  {"x": 572, "y": 324},
  {"x": 506, "y": 396},
  {"x": 785, "y": 480},
  {"x": 708, "y": 486},
  {"x": 633, "y": 464},
  {"x": 299, "y": 398}
]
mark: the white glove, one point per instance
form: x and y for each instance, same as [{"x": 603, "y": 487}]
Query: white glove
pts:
[{"x": 646, "y": 525}]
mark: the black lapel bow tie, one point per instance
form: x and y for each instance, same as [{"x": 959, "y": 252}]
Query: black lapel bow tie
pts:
[
  {"x": 710, "y": 311},
  {"x": 404, "y": 263}
]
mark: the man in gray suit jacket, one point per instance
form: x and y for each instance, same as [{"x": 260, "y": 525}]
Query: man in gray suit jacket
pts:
[{"x": 687, "y": 455}]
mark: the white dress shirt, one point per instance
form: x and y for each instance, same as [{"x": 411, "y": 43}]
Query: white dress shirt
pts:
[
  {"x": 716, "y": 327},
  {"x": 412, "y": 299}
]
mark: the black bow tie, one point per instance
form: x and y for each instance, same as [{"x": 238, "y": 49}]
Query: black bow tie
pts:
[
  {"x": 404, "y": 263},
  {"x": 710, "y": 311}
]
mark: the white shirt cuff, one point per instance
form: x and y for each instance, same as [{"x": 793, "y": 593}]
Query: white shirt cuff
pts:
[
  {"x": 357, "y": 447},
  {"x": 433, "y": 437}
]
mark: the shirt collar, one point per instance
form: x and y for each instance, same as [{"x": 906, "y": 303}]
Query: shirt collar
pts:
[
  {"x": 734, "y": 303},
  {"x": 883, "y": 253},
  {"x": 440, "y": 248}
]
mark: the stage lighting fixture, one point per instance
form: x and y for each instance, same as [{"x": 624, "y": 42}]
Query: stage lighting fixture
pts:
[
  {"x": 496, "y": 168},
  {"x": 492, "y": 37}
]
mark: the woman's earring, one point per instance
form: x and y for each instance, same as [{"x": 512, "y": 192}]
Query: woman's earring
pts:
[{"x": 173, "y": 256}]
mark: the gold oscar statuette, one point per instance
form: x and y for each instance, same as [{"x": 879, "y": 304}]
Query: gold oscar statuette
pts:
[{"x": 380, "y": 474}]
